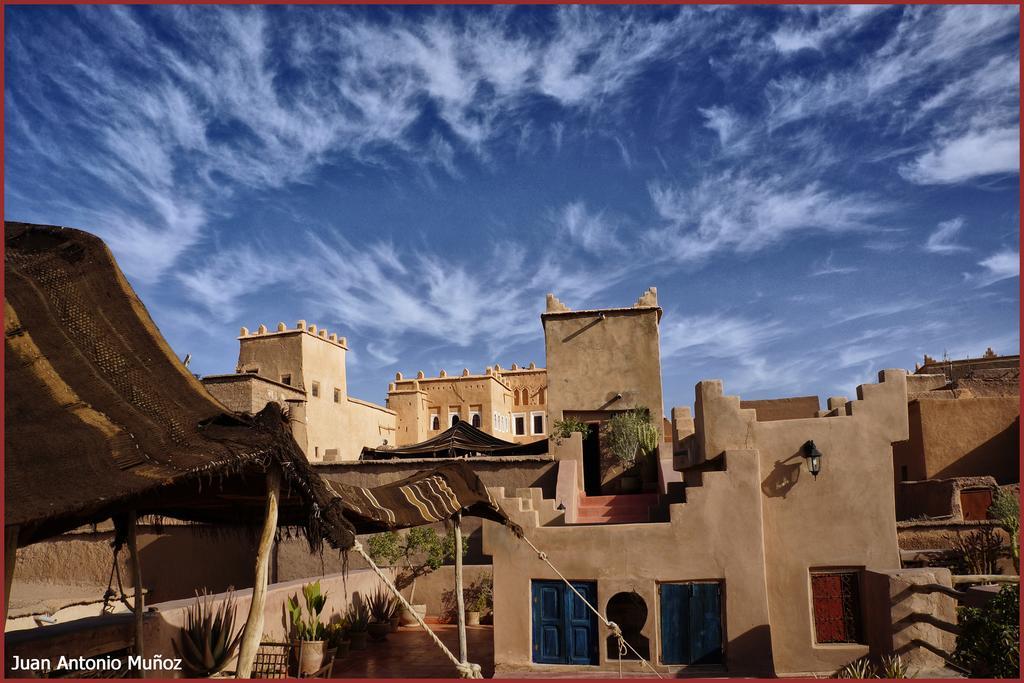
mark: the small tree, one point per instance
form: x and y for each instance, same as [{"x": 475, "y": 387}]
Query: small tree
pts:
[
  {"x": 421, "y": 550},
  {"x": 631, "y": 434},
  {"x": 989, "y": 640},
  {"x": 1005, "y": 509},
  {"x": 563, "y": 429}
]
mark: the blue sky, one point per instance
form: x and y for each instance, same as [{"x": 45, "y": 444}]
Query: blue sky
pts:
[{"x": 817, "y": 192}]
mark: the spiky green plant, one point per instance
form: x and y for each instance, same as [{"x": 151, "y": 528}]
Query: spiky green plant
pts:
[
  {"x": 861, "y": 668},
  {"x": 382, "y": 606},
  {"x": 358, "y": 617},
  {"x": 894, "y": 667},
  {"x": 310, "y": 628},
  {"x": 208, "y": 638}
]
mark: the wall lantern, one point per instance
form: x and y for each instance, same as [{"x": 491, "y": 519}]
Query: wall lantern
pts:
[{"x": 813, "y": 457}]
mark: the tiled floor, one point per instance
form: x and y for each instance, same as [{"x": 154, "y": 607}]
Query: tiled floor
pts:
[{"x": 411, "y": 653}]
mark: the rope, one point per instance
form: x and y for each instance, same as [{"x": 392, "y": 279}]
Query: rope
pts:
[
  {"x": 465, "y": 669},
  {"x": 110, "y": 593},
  {"x": 610, "y": 625}
]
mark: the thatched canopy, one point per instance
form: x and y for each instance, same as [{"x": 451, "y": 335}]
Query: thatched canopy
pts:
[
  {"x": 102, "y": 418},
  {"x": 461, "y": 439}
]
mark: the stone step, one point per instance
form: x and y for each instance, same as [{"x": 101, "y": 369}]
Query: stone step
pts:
[
  {"x": 595, "y": 516},
  {"x": 622, "y": 500}
]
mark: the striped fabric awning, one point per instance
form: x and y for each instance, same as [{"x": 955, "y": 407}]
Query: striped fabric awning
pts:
[{"x": 424, "y": 498}]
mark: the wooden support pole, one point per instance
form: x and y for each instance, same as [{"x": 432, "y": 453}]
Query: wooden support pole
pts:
[
  {"x": 252, "y": 634},
  {"x": 139, "y": 605},
  {"x": 10, "y": 561},
  {"x": 459, "y": 600}
]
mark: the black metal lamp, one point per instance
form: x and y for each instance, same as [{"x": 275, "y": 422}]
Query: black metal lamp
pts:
[{"x": 813, "y": 457}]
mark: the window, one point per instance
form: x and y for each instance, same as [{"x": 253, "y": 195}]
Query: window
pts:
[
  {"x": 836, "y": 601},
  {"x": 453, "y": 415},
  {"x": 520, "y": 422},
  {"x": 286, "y": 379},
  {"x": 476, "y": 420},
  {"x": 337, "y": 395},
  {"x": 316, "y": 389},
  {"x": 252, "y": 371},
  {"x": 515, "y": 396},
  {"x": 435, "y": 421},
  {"x": 540, "y": 396},
  {"x": 537, "y": 423}
]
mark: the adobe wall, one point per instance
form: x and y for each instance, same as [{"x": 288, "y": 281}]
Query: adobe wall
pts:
[
  {"x": 783, "y": 408},
  {"x": 249, "y": 393},
  {"x": 84, "y": 557},
  {"x": 962, "y": 437},
  {"x": 715, "y": 535},
  {"x": 593, "y": 356},
  {"x": 843, "y": 519}
]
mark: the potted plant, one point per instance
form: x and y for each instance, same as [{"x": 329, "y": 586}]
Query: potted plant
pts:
[
  {"x": 478, "y": 600},
  {"x": 631, "y": 436},
  {"x": 208, "y": 638},
  {"x": 337, "y": 637},
  {"x": 421, "y": 550},
  {"x": 382, "y": 608},
  {"x": 358, "y": 619},
  {"x": 309, "y": 633}
]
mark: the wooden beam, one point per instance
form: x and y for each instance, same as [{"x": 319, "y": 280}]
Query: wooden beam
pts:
[
  {"x": 10, "y": 561},
  {"x": 984, "y": 578},
  {"x": 140, "y": 600},
  {"x": 252, "y": 634},
  {"x": 459, "y": 600}
]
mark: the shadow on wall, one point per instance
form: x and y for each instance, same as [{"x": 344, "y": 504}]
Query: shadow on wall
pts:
[
  {"x": 997, "y": 457},
  {"x": 750, "y": 654},
  {"x": 233, "y": 547},
  {"x": 783, "y": 476}
]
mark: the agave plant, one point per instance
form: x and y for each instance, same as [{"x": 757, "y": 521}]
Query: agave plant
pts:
[
  {"x": 358, "y": 617},
  {"x": 861, "y": 668},
  {"x": 310, "y": 628},
  {"x": 382, "y": 606},
  {"x": 208, "y": 638},
  {"x": 893, "y": 666}
]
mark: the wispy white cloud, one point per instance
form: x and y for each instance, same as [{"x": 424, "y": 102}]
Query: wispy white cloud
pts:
[
  {"x": 827, "y": 267},
  {"x": 943, "y": 240},
  {"x": 1000, "y": 266},
  {"x": 815, "y": 27},
  {"x": 591, "y": 231},
  {"x": 973, "y": 154},
  {"x": 743, "y": 213},
  {"x": 715, "y": 336}
]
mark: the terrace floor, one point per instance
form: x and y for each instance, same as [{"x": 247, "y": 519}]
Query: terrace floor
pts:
[{"x": 411, "y": 653}]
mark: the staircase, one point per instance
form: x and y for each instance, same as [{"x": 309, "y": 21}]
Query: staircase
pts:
[{"x": 618, "y": 509}]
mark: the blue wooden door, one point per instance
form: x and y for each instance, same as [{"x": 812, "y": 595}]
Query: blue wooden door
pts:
[
  {"x": 691, "y": 623},
  {"x": 564, "y": 629}
]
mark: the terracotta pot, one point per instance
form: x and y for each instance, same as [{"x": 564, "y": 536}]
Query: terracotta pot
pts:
[
  {"x": 379, "y": 631},
  {"x": 311, "y": 656},
  {"x": 472, "y": 618},
  {"x": 407, "y": 618},
  {"x": 358, "y": 639},
  {"x": 395, "y": 621}
]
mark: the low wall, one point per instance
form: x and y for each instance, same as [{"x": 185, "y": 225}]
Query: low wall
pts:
[{"x": 162, "y": 622}]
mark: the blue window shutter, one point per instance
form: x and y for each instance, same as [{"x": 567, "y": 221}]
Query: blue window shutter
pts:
[{"x": 705, "y": 623}]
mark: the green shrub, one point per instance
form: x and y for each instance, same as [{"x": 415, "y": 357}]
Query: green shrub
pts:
[{"x": 988, "y": 645}]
